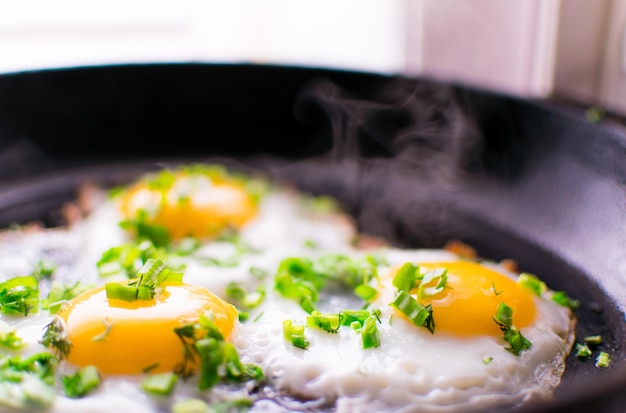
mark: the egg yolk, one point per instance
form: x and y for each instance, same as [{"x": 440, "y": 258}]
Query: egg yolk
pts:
[
  {"x": 193, "y": 206},
  {"x": 121, "y": 337},
  {"x": 470, "y": 300}
]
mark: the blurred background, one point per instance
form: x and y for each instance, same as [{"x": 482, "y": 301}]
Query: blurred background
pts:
[{"x": 566, "y": 49}]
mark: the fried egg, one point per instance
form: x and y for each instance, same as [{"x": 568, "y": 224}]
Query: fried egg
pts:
[
  {"x": 242, "y": 230},
  {"x": 462, "y": 366}
]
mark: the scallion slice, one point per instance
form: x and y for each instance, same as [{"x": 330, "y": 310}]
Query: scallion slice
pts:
[
  {"x": 418, "y": 314},
  {"x": 532, "y": 283},
  {"x": 294, "y": 333},
  {"x": 406, "y": 277},
  {"x": 82, "y": 382},
  {"x": 326, "y": 322},
  {"x": 603, "y": 360},
  {"x": 159, "y": 383}
]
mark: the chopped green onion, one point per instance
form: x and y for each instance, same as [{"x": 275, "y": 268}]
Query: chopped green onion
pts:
[
  {"x": 561, "y": 298},
  {"x": 159, "y": 383},
  {"x": 349, "y": 317},
  {"x": 219, "y": 360},
  {"x": 418, "y": 314},
  {"x": 157, "y": 234},
  {"x": 515, "y": 338},
  {"x": 124, "y": 261},
  {"x": 9, "y": 337},
  {"x": 44, "y": 269},
  {"x": 406, "y": 277},
  {"x": 242, "y": 298},
  {"x": 326, "y": 322},
  {"x": 593, "y": 340},
  {"x": 192, "y": 406},
  {"x": 532, "y": 283},
  {"x": 151, "y": 276},
  {"x": 312, "y": 244},
  {"x": 107, "y": 330},
  {"x": 603, "y": 360},
  {"x": 366, "y": 292},
  {"x": 19, "y": 296},
  {"x": 487, "y": 359},
  {"x": 258, "y": 272},
  {"x": 494, "y": 290},
  {"x": 27, "y": 384},
  {"x": 294, "y": 333},
  {"x": 117, "y": 291},
  {"x": 582, "y": 351},
  {"x": 370, "y": 336},
  {"x": 82, "y": 382},
  {"x": 517, "y": 341},
  {"x": 56, "y": 337},
  {"x": 60, "y": 294},
  {"x": 439, "y": 276},
  {"x": 504, "y": 316}
]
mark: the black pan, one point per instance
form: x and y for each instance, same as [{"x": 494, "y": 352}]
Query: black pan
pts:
[{"x": 416, "y": 161}]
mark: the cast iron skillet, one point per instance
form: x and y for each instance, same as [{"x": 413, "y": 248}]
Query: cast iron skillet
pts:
[{"x": 416, "y": 161}]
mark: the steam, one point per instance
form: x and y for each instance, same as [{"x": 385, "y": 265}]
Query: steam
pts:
[
  {"x": 399, "y": 153},
  {"x": 419, "y": 125}
]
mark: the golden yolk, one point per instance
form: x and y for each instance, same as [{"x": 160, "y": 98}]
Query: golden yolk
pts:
[
  {"x": 121, "y": 337},
  {"x": 191, "y": 207},
  {"x": 469, "y": 302}
]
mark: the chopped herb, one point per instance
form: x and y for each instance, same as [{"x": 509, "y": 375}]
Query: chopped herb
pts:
[
  {"x": 504, "y": 316},
  {"x": 595, "y": 114},
  {"x": 160, "y": 383},
  {"x": 326, "y": 322},
  {"x": 151, "y": 277},
  {"x": 603, "y": 360},
  {"x": 593, "y": 340},
  {"x": 515, "y": 338},
  {"x": 582, "y": 351},
  {"x": 200, "y": 406},
  {"x": 82, "y": 382},
  {"x": 241, "y": 298},
  {"x": 295, "y": 279},
  {"x": 27, "y": 383},
  {"x": 370, "y": 337},
  {"x": 312, "y": 244},
  {"x": 561, "y": 298},
  {"x": 19, "y": 296},
  {"x": 150, "y": 367},
  {"x": 124, "y": 261},
  {"x": 418, "y": 314},
  {"x": 257, "y": 318},
  {"x": 294, "y": 333},
  {"x": 144, "y": 230},
  {"x": 433, "y": 282},
  {"x": 532, "y": 283},
  {"x": 258, "y": 272},
  {"x": 494, "y": 290},
  {"x": 60, "y": 294},
  {"x": 107, "y": 330},
  {"x": 192, "y": 406},
  {"x": 44, "y": 269},
  {"x": 9, "y": 337},
  {"x": 366, "y": 292},
  {"x": 56, "y": 337},
  {"x": 487, "y": 359},
  {"x": 349, "y": 317},
  {"x": 302, "y": 279},
  {"x": 218, "y": 359},
  {"x": 406, "y": 277}
]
